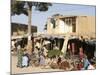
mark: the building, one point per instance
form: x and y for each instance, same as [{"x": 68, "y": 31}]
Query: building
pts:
[
  {"x": 21, "y": 29},
  {"x": 80, "y": 25}
]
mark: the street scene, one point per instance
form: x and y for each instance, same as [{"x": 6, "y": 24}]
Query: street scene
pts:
[{"x": 52, "y": 37}]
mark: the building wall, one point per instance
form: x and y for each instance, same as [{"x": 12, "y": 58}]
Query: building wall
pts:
[
  {"x": 49, "y": 27},
  {"x": 61, "y": 27},
  {"x": 21, "y": 29},
  {"x": 85, "y": 25}
]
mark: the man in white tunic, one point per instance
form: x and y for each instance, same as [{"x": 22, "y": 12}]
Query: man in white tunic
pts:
[{"x": 25, "y": 61}]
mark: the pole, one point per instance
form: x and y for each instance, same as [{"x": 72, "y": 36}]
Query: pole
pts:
[{"x": 29, "y": 46}]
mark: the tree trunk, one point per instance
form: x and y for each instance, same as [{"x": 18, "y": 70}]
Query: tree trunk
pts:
[{"x": 29, "y": 46}]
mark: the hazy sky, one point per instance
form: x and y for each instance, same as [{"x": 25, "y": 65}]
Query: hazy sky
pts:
[{"x": 39, "y": 18}]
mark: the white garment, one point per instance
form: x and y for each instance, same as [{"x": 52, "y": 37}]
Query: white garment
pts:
[
  {"x": 38, "y": 44},
  {"x": 45, "y": 51},
  {"x": 56, "y": 48},
  {"x": 24, "y": 61},
  {"x": 90, "y": 67},
  {"x": 18, "y": 47},
  {"x": 46, "y": 42}
]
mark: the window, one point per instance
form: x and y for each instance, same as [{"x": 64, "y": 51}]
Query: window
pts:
[
  {"x": 74, "y": 24},
  {"x": 53, "y": 22}
]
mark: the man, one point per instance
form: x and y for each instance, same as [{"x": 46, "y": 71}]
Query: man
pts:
[
  {"x": 19, "y": 56},
  {"x": 86, "y": 63},
  {"x": 25, "y": 60}
]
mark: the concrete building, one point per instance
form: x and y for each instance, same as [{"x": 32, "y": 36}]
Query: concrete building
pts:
[
  {"x": 80, "y": 25},
  {"x": 21, "y": 29}
]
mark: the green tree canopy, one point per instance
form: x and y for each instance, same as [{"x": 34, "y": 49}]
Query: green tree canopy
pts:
[{"x": 20, "y": 7}]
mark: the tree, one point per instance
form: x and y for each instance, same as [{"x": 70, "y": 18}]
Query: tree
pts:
[
  {"x": 56, "y": 15},
  {"x": 25, "y": 7}
]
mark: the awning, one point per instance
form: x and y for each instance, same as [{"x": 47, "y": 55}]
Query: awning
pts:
[{"x": 19, "y": 37}]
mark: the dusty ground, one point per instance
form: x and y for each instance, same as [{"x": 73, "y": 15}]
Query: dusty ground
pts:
[{"x": 30, "y": 69}]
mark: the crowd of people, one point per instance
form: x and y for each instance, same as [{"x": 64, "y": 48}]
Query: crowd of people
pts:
[
  {"x": 85, "y": 52},
  {"x": 40, "y": 57}
]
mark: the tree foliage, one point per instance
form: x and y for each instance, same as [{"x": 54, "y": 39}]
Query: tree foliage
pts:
[
  {"x": 55, "y": 15},
  {"x": 19, "y": 7},
  {"x": 54, "y": 53}
]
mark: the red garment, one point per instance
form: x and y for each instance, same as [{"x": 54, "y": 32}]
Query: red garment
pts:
[
  {"x": 79, "y": 66},
  {"x": 73, "y": 48}
]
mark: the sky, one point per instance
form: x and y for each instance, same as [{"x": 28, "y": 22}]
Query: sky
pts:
[{"x": 39, "y": 19}]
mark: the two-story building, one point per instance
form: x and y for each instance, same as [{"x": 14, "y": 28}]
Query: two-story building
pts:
[{"x": 80, "y": 25}]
